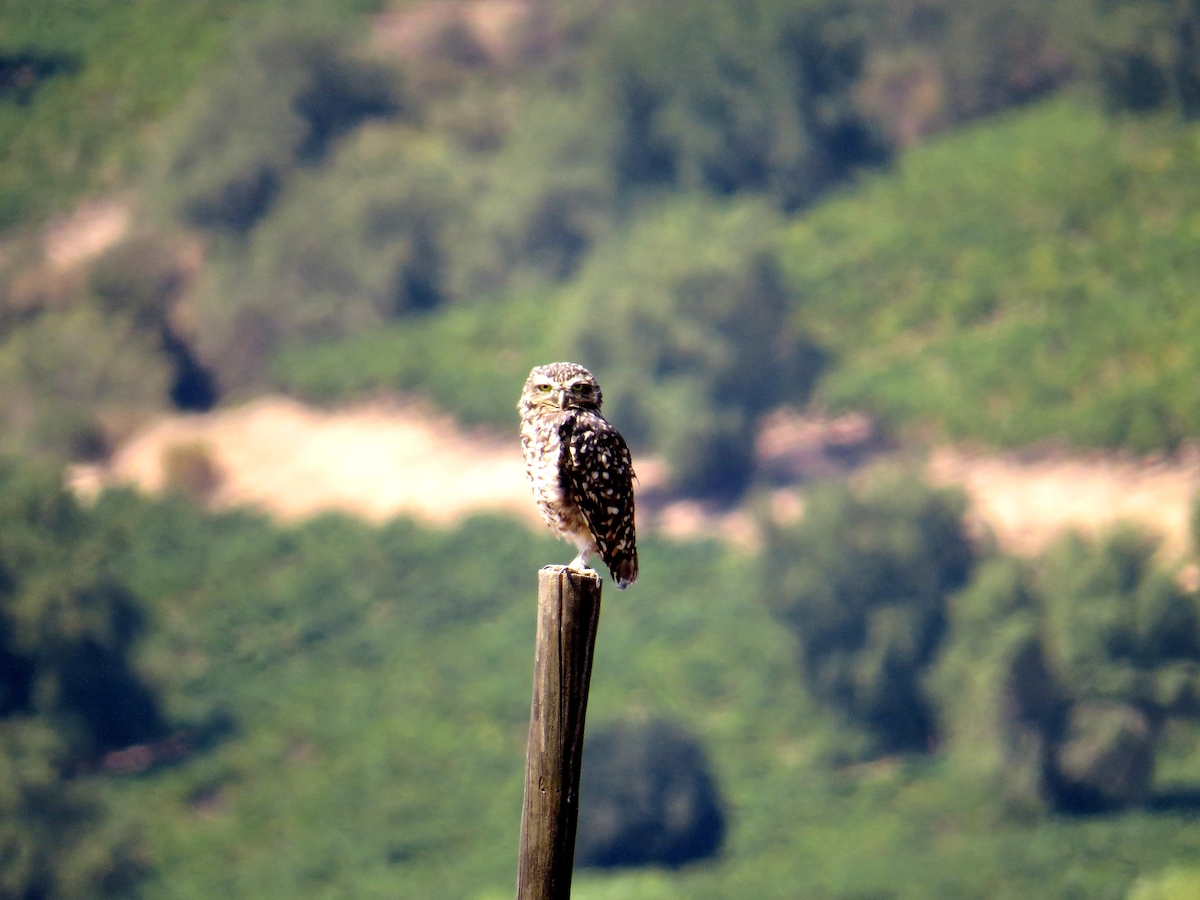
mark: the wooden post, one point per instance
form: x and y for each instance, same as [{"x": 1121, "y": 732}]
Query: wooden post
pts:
[{"x": 568, "y": 613}]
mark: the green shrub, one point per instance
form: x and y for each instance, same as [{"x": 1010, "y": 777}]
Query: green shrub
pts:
[
  {"x": 996, "y": 696},
  {"x": 755, "y": 96},
  {"x": 1174, "y": 884},
  {"x": 95, "y": 76},
  {"x": 65, "y": 374},
  {"x": 289, "y": 91},
  {"x": 190, "y": 469},
  {"x": 69, "y": 691},
  {"x": 1016, "y": 283},
  {"x": 684, "y": 319},
  {"x": 863, "y": 583},
  {"x": 1119, "y": 626},
  {"x": 1057, "y": 677}
]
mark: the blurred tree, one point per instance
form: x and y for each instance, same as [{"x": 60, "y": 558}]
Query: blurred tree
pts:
[
  {"x": 1149, "y": 55},
  {"x": 933, "y": 64},
  {"x": 863, "y": 581},
  {"x": 63, "y": 373},
  {"x": 142, "y": 280},
  {"x": 68, "y": 692},
  {"x": 368, "y": 241},
  {"x": 67, "y": 622},
  {"x": 1118, "y": 626},
  {"x": 755, "y": 95},
  {"x": 1123, "y": 639},
  {"x": 1176, "y": 883},
  {"x": 544, "y": 197},
  {"x": 55, "y": 842},
  {"x": 647, "y": 797},
  {"x": 685, "y": 319},
  {"x": 998, "y": 702},
  {"x": 288, "y": 92},
  {"x": 1057, "y": 678},
  {"x": 139, "y": 278}
]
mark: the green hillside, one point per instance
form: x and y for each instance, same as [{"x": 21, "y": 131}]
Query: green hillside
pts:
[
  {"x": 1027, "y": 280},
  {"x": 82, "y": 82},
  {"x": 338, "y": 710},
  {"x": 320, "y": 212},
  {"x": 974, "y": 224}
]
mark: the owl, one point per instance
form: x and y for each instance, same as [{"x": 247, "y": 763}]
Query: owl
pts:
[{"x": 579, "y": 468}]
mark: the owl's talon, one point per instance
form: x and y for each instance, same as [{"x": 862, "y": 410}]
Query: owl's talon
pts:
[{"x": 560, "y": 569}]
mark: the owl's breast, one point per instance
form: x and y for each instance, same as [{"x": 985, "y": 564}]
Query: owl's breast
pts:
[{"x": 542, "y": 448}]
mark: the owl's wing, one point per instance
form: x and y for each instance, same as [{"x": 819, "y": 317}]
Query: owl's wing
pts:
[{"x": 598, "y": 471}]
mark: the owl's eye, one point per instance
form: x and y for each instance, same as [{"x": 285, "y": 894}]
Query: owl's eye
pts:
[
  {"x": 544, "y": 388},
  {"x": 578, "y": 388}
]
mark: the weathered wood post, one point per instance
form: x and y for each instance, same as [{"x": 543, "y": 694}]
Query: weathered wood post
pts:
[{"x": 568, "y": 614}]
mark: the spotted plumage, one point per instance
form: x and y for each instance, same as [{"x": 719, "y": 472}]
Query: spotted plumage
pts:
[{"x": 579, "y": 468}]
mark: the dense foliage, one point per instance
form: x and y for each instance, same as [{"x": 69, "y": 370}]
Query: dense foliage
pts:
[
  {"x": 863, "y": 580},
  {"x": 379, "y": 678},
  {"x": 340, "y": 709},
  {"x": 1017, "y": 283},
  {"x": 721, "y": 207},
  {"x": 692, "y": 351},
  {"x": 336, "y": 213},
  {"x": 1062, "y": 678},
  {"x": 731, "y": 97},
  {"x": 68, "y": 692},
  {"x": 78, "y": 81}
]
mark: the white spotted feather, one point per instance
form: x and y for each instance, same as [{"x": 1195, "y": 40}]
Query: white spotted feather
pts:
[{"x": 579, "y": 468}]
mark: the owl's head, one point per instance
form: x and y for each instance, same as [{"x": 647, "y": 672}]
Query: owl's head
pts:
[{"x": 559, "y": 386}]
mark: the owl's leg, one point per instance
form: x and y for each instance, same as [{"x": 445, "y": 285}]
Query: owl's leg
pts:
[{"x": 587, "y": 547}]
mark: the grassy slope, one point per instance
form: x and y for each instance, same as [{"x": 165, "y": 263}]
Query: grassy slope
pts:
[
  {"x": 378, "y": 684},
  {"x": 122, "y": 66},
  {"x": 1028, "y": 279},
  {"x": 379, "y": 721},
  {"x": 379, "y": 681},
  {"x": 1031, "y": 278},
  {"x": 81, "y": 129}
]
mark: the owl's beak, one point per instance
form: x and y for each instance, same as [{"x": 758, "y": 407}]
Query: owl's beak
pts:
[{"x": 560, "y": 399}]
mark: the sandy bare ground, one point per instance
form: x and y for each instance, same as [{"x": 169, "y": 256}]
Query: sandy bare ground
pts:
[
  {"x": 374, "y": 461},
  {"x": 379, "y": 460},
  {"x": 1027, "y": 503},
  {"x": 89, "y": 230}
]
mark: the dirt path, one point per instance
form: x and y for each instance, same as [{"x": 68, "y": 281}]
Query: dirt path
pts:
[{"x": 378, "y": 460}]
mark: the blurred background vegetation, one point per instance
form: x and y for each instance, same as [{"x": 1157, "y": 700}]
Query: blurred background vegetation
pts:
[{"x": 974, "y": 222}]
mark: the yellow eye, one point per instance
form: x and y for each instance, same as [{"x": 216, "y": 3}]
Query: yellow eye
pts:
[
  {"x": 544, "y": 388},
  {"x": 578, "y": 388}
]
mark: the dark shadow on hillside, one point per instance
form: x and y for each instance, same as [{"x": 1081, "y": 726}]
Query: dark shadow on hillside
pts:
[
  {"x": 647, "y": 798},
  {"x": 1176, "y": 799},
  {"x": 193, "y": 387},
  {"x": 22, "y": 73}
]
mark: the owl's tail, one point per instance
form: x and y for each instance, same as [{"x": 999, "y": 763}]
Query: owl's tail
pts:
[{"x": 624, "y": 569}]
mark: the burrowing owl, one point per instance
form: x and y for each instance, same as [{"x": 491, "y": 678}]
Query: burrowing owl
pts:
[{"x": 579, "y": 468}]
